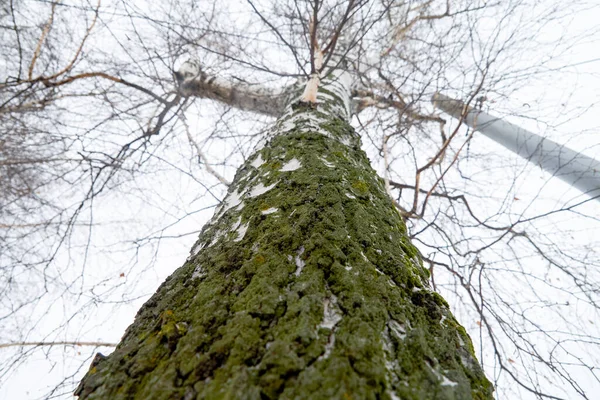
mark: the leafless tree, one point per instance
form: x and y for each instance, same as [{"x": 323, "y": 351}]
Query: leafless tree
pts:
[{"x": 105, "y": 156}]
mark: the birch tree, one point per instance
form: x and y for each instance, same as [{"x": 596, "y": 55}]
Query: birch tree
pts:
[
  {"x": 304, "y": 284},
  {"x": 305, "y": 280}
]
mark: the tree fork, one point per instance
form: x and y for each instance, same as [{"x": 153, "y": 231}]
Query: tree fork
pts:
[{"x": 303, "y": 285}]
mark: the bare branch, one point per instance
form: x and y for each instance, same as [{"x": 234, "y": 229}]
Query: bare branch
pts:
[
  {"x": 50, "y": 344},
  {"x": 240, "y": 95},
  {"x": 40, "y": 42}
]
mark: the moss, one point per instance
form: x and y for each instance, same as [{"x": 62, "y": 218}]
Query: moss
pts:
[
  {"x": 361, "y": 187},
  {"x": 274, "y": 165},
  {"x": 325, "y": 299}
]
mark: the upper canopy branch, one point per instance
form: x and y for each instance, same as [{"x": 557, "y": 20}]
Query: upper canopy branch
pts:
[
  {"x": 193, "y": 82},
  {"x": 255, "y": 98}
]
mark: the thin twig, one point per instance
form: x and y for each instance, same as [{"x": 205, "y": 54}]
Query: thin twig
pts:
[
  {"x": 37, "y": 344},
  {"x": 78, "y": 52},
  {"x": 105, "y": 76},
  {"x": 202, "y": 157},
  {"x": 38, "y": 48}
]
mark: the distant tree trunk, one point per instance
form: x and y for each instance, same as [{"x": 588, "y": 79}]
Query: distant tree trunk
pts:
[{"x": 304, "y": 285}]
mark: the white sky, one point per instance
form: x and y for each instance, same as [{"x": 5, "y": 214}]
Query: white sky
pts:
[{"x": 580, "y": 84}]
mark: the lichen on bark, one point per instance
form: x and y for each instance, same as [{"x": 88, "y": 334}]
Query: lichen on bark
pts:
[{"x": 304, "y": 285}]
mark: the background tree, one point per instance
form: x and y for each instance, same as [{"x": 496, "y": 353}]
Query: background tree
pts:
[{"x": 91, "y": 110}]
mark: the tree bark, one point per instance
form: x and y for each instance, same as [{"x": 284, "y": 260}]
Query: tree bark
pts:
[{"x": 304, "y": 285}]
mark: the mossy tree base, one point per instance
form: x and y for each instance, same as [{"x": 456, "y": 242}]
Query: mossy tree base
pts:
[{"x": 304, "y": 286}]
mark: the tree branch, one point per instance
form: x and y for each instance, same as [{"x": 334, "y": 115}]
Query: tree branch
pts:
[
  {"x": 70, "y": 79},
  {"x": 38, "y": 48},
  {"x": 239, "y": 95},
  {"x": 363, "y": 99},
  {"x": 66, "y": 343}
]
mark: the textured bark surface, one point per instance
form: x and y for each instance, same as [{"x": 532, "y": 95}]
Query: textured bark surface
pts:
[{"x": 304, "y": 285}]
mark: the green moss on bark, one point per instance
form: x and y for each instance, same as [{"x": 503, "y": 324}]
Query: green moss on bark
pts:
[{"x": 323, "y": 298}]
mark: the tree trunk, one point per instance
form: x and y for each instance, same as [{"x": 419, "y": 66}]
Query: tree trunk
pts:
[{"x": 304, "y": 285}]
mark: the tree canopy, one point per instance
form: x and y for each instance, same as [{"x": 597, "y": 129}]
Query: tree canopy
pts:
[{"x": 109, "y": 166}]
